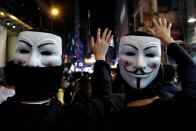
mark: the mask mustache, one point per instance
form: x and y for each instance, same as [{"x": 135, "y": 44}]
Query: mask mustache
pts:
[{"x": 139, "y": 71}]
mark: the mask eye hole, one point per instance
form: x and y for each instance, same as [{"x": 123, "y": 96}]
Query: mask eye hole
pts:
[
  {"x": 150, "y": 55},
  {"x": 24, "y": 51},
  {"x": 47, "y": 53},
  {"x": 130, "y": 53}
]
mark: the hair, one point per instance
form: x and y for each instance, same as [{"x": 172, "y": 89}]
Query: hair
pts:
[
  {"x": 139, "y": 33},
  {"x": 46, "y": 31}
]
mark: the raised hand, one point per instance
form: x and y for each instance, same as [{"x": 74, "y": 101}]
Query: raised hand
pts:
[
  {"x": 162, "y": 30},
  {"x": 101, "y": 45}
]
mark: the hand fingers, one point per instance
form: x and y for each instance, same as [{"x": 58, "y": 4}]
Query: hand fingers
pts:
[
  {"x": 98, "y": 33},
  {"x": 160, "y": 22},
  {"x": 108, "y": 35},
  {"x": 169, "y": 26},
  {"x": 104, "y": 34},
  {"x": 164, "y": 22},
  {"x": 155, "y": 23},
  {"x": 151, "y": 31}
]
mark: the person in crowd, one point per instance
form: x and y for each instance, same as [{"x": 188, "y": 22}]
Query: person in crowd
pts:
[
  {"x": 61, "y": 90},
  {"x": 36, "y": 73},
  {"x": 6, "y": 92},
  {"x": 141, "y": 74},
  {"x": 83, "y": 90},
  {"x": 168, "y": 87}
]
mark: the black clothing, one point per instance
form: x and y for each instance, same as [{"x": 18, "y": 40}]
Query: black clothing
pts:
[
  {"x": 168, "y": 90},
  {"x": 33, "y": 83},
  {"x": 175, "y": 112},
  {"x": 52, "y": 116}
]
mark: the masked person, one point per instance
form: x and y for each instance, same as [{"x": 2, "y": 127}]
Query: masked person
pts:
[
  {"x": 36, "y": 74},
  {"x": 140, "y": 70}
]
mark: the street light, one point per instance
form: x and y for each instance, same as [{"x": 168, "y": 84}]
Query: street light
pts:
[{"x": 54, "y": 12}]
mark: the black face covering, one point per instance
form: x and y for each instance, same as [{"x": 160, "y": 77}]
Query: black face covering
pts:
[{"x": 33, "y": 83}]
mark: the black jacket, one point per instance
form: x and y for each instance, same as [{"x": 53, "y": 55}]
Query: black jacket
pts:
[
  {"x": 53, "y": 116},
  {"x": 167, "y": 114}
]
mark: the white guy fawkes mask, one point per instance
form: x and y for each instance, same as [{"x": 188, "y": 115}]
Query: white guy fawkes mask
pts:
[
  {"x": 140, "y": 59},
  {"x": 38, "y": 49}
]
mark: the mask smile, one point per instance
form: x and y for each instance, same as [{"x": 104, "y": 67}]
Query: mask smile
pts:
[
  {"x": 139, "y": 76},
  {"x": 138, "y": 73}
]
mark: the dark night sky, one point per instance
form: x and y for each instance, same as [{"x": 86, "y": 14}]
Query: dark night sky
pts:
[
  {"x": 102, "y": 12},
  {"x": 34, "y": 14}
]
